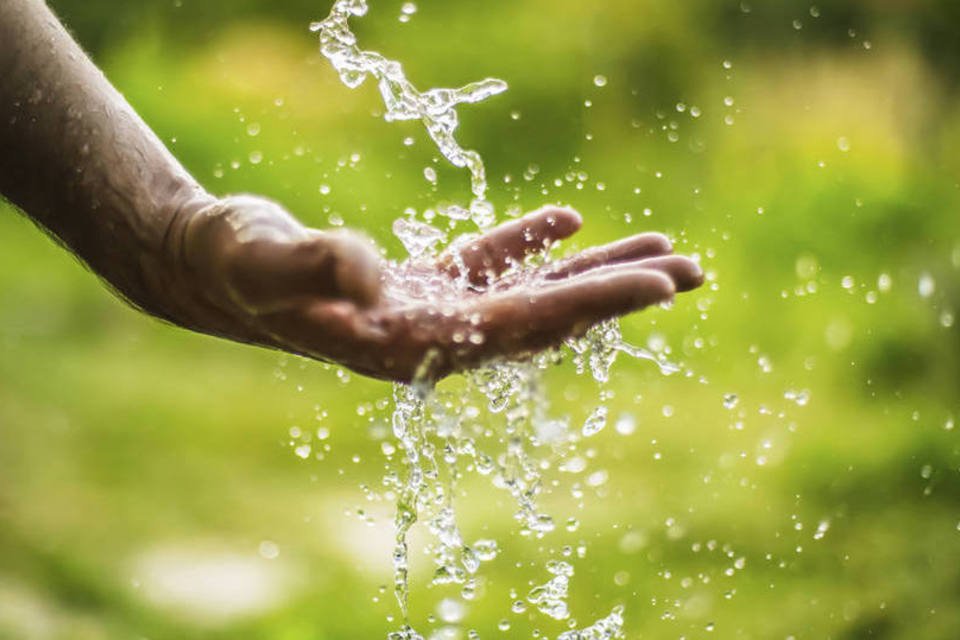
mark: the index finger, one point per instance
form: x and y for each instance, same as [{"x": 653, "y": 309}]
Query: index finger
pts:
[{"x": 494, "y": 252}]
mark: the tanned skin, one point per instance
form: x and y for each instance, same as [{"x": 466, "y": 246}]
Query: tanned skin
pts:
[{"x": 77, "y": 159}]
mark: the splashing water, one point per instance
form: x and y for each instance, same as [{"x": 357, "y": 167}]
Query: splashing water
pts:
[
  {"x": 436, "y": 108},
  {"x": 443, "y": 434}
]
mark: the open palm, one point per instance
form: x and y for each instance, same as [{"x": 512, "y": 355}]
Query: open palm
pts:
[{"x": 265, "y": 278}]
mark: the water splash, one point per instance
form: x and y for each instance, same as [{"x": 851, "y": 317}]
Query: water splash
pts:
[
  {"x": 607, "y": 628},
  {"x": 436, "y": 108},
  {"x": 551, "y": 598},
  {"x": 442, "y": 435}
]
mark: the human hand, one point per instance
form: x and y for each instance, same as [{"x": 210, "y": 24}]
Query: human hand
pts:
[{"x": 259, "y": 276}]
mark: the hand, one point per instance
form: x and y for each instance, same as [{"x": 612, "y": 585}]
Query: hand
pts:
[{"x": 259, "y": 276}]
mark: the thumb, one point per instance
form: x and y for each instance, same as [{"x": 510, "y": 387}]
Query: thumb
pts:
[
  {"x": 264, "y": 260},
  {"x": 271, "y": 275}
]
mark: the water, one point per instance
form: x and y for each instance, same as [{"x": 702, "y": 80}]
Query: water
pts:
[
  {"x": 436, "y": 108},
  {"x": 442, "y": 435}
]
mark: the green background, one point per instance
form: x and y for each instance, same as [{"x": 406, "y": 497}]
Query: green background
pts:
[{"x": 147, "y": 477}]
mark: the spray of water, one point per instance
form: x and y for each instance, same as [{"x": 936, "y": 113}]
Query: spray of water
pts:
[{"x": 443, "y": 435}]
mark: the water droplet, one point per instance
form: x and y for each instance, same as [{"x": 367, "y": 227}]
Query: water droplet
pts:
[
  {"x": 595, "y": 423},
  {"x": 843, "y": 144},
  {"x": 926, "y": 286},
  {"x": 269, "y": 550},
  {"x": 256, "y": 157},
  {"x": 598, "y": 478},
  {"x": 253, "y": 129},
  {"x": 822, "y": 529},
  {"x": 626, "y": 424},
  {"x": 600, "y": 80},
  {"x": 303, "y": 451},
  {"x": 730, "y": 400},
  {"x": 884, "y": 282},
  {"x": 800, "y": 398},
  {"x": 451, "y": 611}
]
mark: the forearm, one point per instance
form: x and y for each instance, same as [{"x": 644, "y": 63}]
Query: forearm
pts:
[{"x": 76, "y": 158}]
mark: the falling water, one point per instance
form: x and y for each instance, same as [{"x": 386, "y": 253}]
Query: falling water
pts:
[
  {"x": 436, "y": 108},
  {"x": 443, "y": 435}
]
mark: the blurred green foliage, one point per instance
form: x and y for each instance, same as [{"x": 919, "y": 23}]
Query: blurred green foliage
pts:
[{"x": 822, "y": 166}]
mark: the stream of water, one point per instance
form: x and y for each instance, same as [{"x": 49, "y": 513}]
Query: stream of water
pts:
[{"x": 443, "y": 436}]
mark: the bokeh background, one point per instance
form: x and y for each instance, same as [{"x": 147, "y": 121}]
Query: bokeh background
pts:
[{"x": 149, "y": 483}]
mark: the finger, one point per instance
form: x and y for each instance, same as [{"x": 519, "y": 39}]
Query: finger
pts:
[
  {"x": 686, "y": 274},
  {"x": 645, "y": 245},
  {"x": 429, "y": 341},
  {"x": 270, "y": 275},
  {"x": 525, "y": 320},
  {"x": 496, "y": 251}
]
